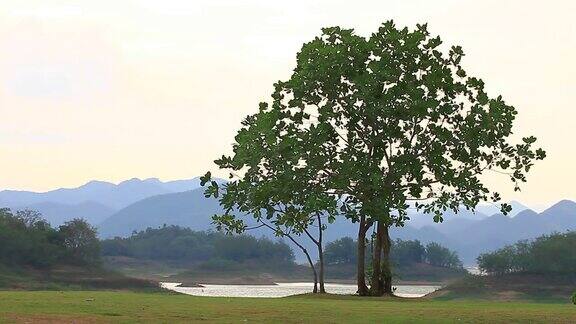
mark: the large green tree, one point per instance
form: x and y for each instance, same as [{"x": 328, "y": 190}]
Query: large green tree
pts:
[{"x": 383, "y": 123}]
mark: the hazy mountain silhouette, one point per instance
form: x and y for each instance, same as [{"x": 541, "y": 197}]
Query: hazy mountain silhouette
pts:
[
  {"x": 105, "y": 193},
  {"x": 491, "y": 209},
  {"x": 561, "y": 216},
  {"x": 464, "y": 217},
  {"x": 57, "y": 214},
  {"x": 189, "y": 209},
  {"x": 420, "y": 220},
  {"x": 182, "y": 185}
]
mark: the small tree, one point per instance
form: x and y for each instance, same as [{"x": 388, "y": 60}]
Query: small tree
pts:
[
  {"x": 270, "y": 198},
  {"x": 81, "y": 241}
]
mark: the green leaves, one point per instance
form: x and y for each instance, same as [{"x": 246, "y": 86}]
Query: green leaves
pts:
[
  {"x": 367, "y": 125},
  {"x": 438, "y": 217},
  {"x": 505, "y": 209},
  {"x": 228, "y": 224},
  {"x": 205, "y": 178}
]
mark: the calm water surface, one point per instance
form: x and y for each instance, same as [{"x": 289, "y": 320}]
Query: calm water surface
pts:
[{"x": 286, "y": 289}]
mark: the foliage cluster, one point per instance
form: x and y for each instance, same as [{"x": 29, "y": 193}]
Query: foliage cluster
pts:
[
  {"x": 403, "y": 253},
  {"x": 26, "y": 239},
  {"x": 183, "y": 244},
  {"x": 548, "y": 254}
]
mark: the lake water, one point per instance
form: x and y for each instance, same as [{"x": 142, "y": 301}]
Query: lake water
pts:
[{"x": 286, "y": 289}]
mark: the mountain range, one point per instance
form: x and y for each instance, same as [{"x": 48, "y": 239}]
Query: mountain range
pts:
[
  {"x": 106, "y": 193},
  {"x": 133, "y": 205},
  {"x": 94, "y": 201}
]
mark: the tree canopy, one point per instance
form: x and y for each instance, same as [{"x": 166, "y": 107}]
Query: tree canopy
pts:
[
  {"x": 174, "y": 243},
  {"x": 373, "y": 125},
  {"x": 26, "y": 239},
  {"x": 402, "y": 253}
]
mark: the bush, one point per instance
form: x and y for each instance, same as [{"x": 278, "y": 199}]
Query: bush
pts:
[{"x": 574, "y": 298}]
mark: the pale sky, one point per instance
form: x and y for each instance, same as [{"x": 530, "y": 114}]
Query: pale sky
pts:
[{"x": 111, "y": 90}]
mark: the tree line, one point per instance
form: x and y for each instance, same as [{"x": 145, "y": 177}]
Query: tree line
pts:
[
  {"x": 403, "y": 253},
  {"x": 26, "y": 239},
  {"x": 548, "y": 254},
  {"x": 174, "y": 243}
]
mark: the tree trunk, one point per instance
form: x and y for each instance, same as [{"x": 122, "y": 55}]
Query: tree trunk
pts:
[
  {"x": 315, "y": 290},
  {"x": 321, "y": 254},
  {"x": 386, "y": 264},
  {"x": 377, "y": 284},
  {"x": 361, "y": 274}
]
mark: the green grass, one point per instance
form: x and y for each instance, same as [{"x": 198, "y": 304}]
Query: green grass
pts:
[{"x": 119, "y": 307}]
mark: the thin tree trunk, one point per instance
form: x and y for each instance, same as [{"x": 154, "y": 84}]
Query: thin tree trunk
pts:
[
  {"x": 361, "y": 269},
  {"x": 318, "y": 243},
  {"x": 321, "y": 254},
  {"x": 386, "y": 264},
  {"x": 377, "y": 288},
  {"x": 315, "y": 290}
]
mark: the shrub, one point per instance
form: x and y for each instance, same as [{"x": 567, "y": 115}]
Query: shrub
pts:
[{"x": 574, "y": 298}]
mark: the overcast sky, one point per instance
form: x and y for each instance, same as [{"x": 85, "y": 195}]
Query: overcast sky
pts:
[{"x": 112, "y": 90}]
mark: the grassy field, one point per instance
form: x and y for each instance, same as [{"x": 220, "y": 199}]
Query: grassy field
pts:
[{"x": 106, "y": 306}]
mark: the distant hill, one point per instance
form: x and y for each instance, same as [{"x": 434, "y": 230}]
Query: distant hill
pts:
[
  {"x": 420, "y": 220},
  {"x": 94, "y": 201},
  {"x": 463, "y": 217},
  {"x": 105, "y": 193},
  {"x": 57, "y": 214},
  {"x": 491, "y": 209},
  {"x": 187, "y": 209}
]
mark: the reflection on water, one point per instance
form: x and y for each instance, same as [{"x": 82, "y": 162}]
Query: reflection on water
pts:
[{"x": 286, "y": 289}]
